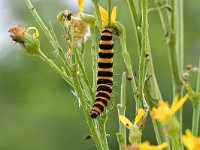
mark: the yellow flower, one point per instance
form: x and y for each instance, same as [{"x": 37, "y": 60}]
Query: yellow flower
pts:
[
  {"x": 81, "y": 5},
  {"x": 128, "y": 123},
  {"x": 134, "y": 131},
  {"x": 163, "y": 112},
  {"x": 146, "y": 146},
  {"x": 104, "y": 15},
  {"x": 191, "y": 142}
]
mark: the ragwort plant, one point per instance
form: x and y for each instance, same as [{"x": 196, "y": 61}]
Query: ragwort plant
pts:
[{"x": 78, "y": 27}]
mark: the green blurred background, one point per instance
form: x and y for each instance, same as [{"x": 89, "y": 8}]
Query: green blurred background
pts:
[{"x": 37, "y": 108}]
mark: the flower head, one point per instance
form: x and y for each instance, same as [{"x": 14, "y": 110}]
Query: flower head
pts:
[
  {"x": 191, "y": 142},
  {"x": 134, "y": 134},
  {"x": 163, "y": 112},
  {"x": 104, "y": 15},
  {"x": 147, "y": 146},
  {"x": 27, "y": 38}
]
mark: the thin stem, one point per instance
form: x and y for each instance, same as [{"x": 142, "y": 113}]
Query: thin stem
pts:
[
  {"x": 196, "y": 108},
  {"x": 135, "y": 21},
  {"x": 175, "y": 143},
  {"x": 94, "y": 52},
  {"x": 41, "y": 23},
  {"x": 179, "y": 33},
  {"x": 55, "y": 68},
  {"x": 102, "y": 130},
  {"x": 47, "y": 32},
  {"x": 121, "y": 136},
  {"x": 127, "y": 60},
  {"x": 142, "y": 62},
  {"x": 109, "y": 12},
  {"x": 96, "y": 5},
  {"x": 86, "y": 80},
  {"x": 90, "y": 122}
]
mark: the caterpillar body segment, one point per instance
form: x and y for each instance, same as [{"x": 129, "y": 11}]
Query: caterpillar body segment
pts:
[{"x": 105, "y": 73}]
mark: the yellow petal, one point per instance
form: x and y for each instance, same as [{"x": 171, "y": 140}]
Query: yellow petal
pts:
[
  {"x": 81, "y": 5},
  {"x": 114, "y": 14},
  {"x": 147, "y": 146},
  {"x": 125, "y": 121},
  {"x": 161, "y": 112},
  {"x": 178, "y": 104},
  {"x": 36, "y": 33},
  {"x": 140, "y": 114},
  {"x": 104, "y": 16}
]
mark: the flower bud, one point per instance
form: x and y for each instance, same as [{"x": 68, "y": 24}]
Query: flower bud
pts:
[
  {"x": 172, "y": 126},
  {"x": 134, "y": 134},
  {"x": 22, "y": 36}
]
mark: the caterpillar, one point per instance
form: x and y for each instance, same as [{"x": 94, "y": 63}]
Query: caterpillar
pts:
[{"x": 105, "y": 73}]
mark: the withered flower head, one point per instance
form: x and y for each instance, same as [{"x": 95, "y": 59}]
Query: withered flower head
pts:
[{"x": 29, "y": 41}]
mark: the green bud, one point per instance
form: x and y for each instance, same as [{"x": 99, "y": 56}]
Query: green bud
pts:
[
  {"x": 134, "y": 134},
  {"x": 172, "y": 127},
  {"x": 90, "y": 19}
]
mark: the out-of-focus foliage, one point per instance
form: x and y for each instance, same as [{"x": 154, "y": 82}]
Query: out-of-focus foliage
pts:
[{"x": 37, "y": 108}]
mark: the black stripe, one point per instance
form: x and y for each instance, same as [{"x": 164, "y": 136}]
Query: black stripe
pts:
[
  {"x": 105, "y": 74},
  {"x": 104, "y": 88},
  {"x": 102, "y": 100},
  {"x": 103, "y": 95},
  {"x": 105, "y": 55},
  {"x": 98, "y": 106},
  {"x": 106, "y": 38},
  {"x": 105, "y": 65},
  {"x": 106, "y": 31},
  {"x": 106, "y": 46},
  {"x": 93, "y": 115},
  {"x": 104, "y": 81}
]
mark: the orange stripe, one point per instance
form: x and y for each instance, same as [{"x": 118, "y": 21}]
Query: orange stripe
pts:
[
  {"x": 105, "y": 60},
  {"x": 106, "y": 34},
  {"x": 107, "y": 42},
  {"x": 106, "y": 51},
  {"x": 106, "y": 69}
]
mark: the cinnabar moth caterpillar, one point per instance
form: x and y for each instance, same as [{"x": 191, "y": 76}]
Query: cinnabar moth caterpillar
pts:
[{"x": 105, "y": 73}]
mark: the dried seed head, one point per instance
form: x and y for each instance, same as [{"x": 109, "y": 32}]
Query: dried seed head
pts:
[{"x": 29, "y": 41}]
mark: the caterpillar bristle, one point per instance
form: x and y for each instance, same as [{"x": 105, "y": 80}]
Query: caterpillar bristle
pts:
[{"x": 105, "y": 73}]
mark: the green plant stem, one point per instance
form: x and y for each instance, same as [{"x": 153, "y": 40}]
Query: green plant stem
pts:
[
  {"x": 175, "y": 143},
  {"x": 96, "y": 5},
  {"x": 55, "y": 68},
  {"x": 47, "y": 32},
  {"x": 102, "y": 130},
  {"x": 127, "y": 60},
  {"x": 179, "y": 22},
  {"x": 109, "y": 12},
  {"x": 135, "y": 21},
  {"x": 86, "y": 80},
  {"x": 142, "y": 62},
  {"x": 94, "y": 52},
  {"x": 196, "y": 107},
  {"x": 121, "y": 136},
  {"x": 93, "y": 129}
]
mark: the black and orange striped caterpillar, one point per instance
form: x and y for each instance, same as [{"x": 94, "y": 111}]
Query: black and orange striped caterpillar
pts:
[{"x": 105, "y": 73}]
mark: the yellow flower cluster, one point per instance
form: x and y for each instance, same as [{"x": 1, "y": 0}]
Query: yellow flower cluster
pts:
[
  {"x": 163, "y": 111},
  {"x": 191, "y": 142}
]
